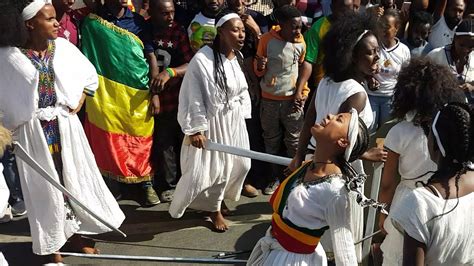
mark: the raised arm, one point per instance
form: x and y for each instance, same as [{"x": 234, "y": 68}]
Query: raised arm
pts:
[{"x": 440, "y": 7}]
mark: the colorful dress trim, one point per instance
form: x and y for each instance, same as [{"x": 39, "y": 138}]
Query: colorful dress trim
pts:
[{"x": 290, "y": 236}]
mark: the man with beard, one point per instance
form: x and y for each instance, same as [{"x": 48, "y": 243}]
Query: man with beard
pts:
[
  {"x": 447, "y": 15},
  {"x": 202, "y": 30}
]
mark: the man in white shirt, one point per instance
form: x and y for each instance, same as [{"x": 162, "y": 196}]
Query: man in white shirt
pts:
[{"x": 447, "y": 16}]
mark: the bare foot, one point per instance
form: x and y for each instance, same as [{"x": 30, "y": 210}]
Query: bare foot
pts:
[
  {"x": 79, "y": 245},
  {"x": 55, "y": 258},
  {"x": 218, "y": 221}
]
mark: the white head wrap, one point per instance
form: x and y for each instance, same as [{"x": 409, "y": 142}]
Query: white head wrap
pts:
[
  {"x": 32, "y": 9},
  {"x": 436, "y": 135},
  {"x": 226, "y": 18},
  {"x": 352, "y": 133}
]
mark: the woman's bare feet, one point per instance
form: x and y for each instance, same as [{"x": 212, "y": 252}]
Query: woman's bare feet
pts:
[
  {"x": 78, "y": 244},
  {"x": 218, "y": 221}
]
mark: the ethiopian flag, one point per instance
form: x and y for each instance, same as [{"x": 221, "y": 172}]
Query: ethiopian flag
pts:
[{"x": 118, "y": 124}]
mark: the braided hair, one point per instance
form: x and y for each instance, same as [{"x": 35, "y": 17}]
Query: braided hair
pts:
[
  {"x": 219, "y": 73},
  {"x": 455, "y": 128},
  {"x": 355, "y": 181}
]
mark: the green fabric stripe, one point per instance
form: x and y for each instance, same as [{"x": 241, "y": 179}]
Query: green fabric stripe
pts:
[
  {"x": 312, "y": 232},
  {"x": 289, "y": 186},
  {"x": 116, "y": 53}
]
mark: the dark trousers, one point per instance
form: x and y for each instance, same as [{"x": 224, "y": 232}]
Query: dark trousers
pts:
[
  {"x": 12, "y": 177},
  {"x": 166, "y": 149},
  {"x": 260, "y": 172}
]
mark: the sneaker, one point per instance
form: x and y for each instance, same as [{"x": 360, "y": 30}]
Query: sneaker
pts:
[
  {"x": 249, "y": 191},
  {"x": 151, "y": 198},
  {"x": 7, "y": 216},
  {"x": 271, "y": 187},
  {"x": 167, "y": 195},
  {"x": 18, "y": 208}
]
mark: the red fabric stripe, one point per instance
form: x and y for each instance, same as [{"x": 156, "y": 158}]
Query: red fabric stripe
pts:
[
  {"x": 119, "y": 154},
  {"x": 289, "y": 243}
]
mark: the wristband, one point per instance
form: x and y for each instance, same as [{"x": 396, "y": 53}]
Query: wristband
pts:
[{"x": 171, "y": 72}]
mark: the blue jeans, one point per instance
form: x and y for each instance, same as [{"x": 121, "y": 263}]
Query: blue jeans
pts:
[
  {"x": 12, "y": 178},
  {"x": 381, "y": 108}
]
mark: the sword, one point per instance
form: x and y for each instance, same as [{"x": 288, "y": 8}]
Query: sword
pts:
[
  {"x": 24, "y": 156},
  {"x": 260, "y": 156}
]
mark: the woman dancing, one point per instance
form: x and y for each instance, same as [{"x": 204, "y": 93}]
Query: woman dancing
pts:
[
  {"x": 315, "y": 198},
  {"x": 213, "y": 104}
]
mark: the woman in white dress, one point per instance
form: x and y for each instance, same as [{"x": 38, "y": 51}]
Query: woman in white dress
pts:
[
  {"x": 351, "y": 55},
  {"x": 424, "y": 87},
  {"x": 315, "y": 198},
  {"x": 42, "y": 87},
  {"x": 438, "y": 217},
  {"x": 213, "y": 104}
]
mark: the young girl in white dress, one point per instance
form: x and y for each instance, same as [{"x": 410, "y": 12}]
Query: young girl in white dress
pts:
[
  {"x": 315, "y": 198},
  {"x": 424, "y": 87},
  {"x": 438, "y": 217}
]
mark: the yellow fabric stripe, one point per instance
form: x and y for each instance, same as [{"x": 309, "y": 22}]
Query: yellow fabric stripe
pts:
[
  {"x": 281, "y": 189},
  {"x": 302, "y": 237},
  {"x": 119, "y": 109}
]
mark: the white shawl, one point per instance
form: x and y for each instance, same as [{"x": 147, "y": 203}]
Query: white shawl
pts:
[{"x": 44, "y": 203}]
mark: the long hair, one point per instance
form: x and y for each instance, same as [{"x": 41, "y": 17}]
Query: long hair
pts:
[
  {"x": 219, "y": 72},
  {"x": 355, "y": 181},
  {"x": 455, "y": 127}
]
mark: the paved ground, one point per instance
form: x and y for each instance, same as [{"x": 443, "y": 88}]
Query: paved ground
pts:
[{"x": 152, "y": 232}]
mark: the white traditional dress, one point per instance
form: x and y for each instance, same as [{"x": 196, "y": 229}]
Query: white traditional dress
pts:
[
  {"x": 449, "y": 238},
  {"x": 208, "y": 176},
  {"x": 330, "y": 95},
  {"x": 49, "y": 213},
  {"x": 302, "y": 212},
  {"x": 411, "y": 143}
]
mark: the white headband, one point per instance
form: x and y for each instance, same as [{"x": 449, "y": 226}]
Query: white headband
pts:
[
  {"x": 471, "y": 34},
  {"x": 352, "y": 133},
  {"x": 226, "y": 18},
  {"x": 361, "y": 36},
  {"x": 32, "y": 9},
  {"x": 435, "y": 133}
]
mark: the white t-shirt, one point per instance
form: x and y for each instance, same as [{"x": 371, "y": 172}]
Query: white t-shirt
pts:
[
  {"x": 449, "y": 239},
  {"x": 442, "y": 56},
  {"x": 390, "y": 62},
  {"x": 441, "y": 35},
  {"x": 201, "y": 31},
  {"x": 411, "y": 143}
]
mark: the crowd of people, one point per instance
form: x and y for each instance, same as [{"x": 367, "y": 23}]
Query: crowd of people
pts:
[{"x": 117, "y": 99}]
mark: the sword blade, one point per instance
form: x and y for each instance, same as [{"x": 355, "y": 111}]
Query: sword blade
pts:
[
  {"x": 24, "y": 156},
  {"x": 260, "y": 156}
]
